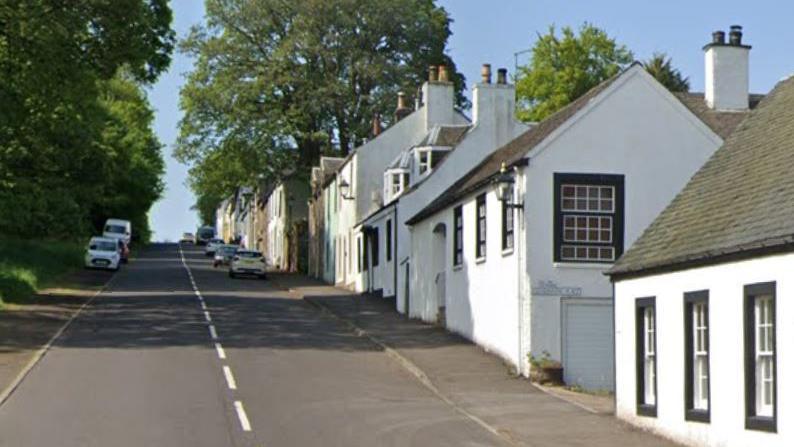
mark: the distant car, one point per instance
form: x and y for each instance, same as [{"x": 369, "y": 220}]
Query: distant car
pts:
[
  {"x": 188, "y": 238},
  {"x": 118, "y": 228},
  {"x": 213, "y": 245},
  {"x": 204, "y": 235},
  {"x": 124, "y": 251},
  {"x": 248, "y": 262},
  {"x": 224, "y": 255},
  {"x": 103, "y": 253}
]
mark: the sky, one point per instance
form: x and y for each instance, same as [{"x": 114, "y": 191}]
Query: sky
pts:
[{"x": 493, "y": 31}]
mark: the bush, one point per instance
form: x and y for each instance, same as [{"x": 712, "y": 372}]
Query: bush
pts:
[{"x": 28, "y": 265}]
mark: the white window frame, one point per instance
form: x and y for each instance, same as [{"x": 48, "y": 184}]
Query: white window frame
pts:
[
  {"x": 764, "y": 327},
  {"x": 700, "y": 353},
  {"x": 649, "y": 355}
]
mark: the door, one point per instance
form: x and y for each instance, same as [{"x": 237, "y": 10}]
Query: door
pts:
[{"x": 587, "y": 343}]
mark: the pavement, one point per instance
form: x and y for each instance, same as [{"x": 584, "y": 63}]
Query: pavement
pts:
[{"x": 175, "y": 353}]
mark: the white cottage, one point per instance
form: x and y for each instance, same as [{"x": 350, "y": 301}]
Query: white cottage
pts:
[
  {"x": 286, "y": 224},
  {"x": 358, "y": 184},
  {"x": 702, "y": 342},
  {"x": 422, "y": 171},
  {"x": 525, "y": 274}
]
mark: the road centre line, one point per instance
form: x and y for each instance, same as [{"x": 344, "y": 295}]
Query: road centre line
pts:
[
  {"x": 244, "y": 423},
  {"x": 221, "y": 351},
  {"x": 227, "y": 372},
  {"x": 207, "y": 316},
  {"x": 213, "y": 333}
]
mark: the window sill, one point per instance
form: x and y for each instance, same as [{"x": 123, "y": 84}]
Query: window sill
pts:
[
  {"x": 457, "y": 268},
  {"x": 646, "y": 410},
  {"x": 507, "y": 251},
  {"x": 583, "y": 265},
  {"x": 697, "y": 416},
  {"x": 761, "y": 423},
  {"x": 480, "y": 260}
]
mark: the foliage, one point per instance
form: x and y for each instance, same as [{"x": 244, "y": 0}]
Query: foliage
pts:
[
  {"x": 57, "y": 155},
  {"x": 565, "y": 67},
  {"x": 544, "y": 361},
  {"x": 661, "y": 68},
  {"x": 26, "y": 266},
  {"x": 278, "y": 83}
]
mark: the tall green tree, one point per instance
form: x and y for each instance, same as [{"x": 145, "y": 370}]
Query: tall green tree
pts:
[
  {"x": 661, "y": 67},
  {"x": 564, "y": 67},
  {"x": 280, "y": 82},
  {"x": 54, "y": 58}
]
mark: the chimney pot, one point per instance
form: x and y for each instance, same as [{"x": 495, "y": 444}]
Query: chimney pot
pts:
[
  {"x": 501, "y": 76},
  {"x": 376, "y": 125},
  {"x": 432, "y": 73},
  {"x": 735, "y": 35},
  {"x": 485, "y": 72},
  {"x": 402, "y": 110},
  {"x": 443, "y": 73},
  {"x": 718, "y": 37}
]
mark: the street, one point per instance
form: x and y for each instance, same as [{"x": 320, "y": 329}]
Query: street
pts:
[{"x": 157, "y": 361}]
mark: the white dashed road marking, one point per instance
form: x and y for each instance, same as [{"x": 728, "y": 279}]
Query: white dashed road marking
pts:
[
  {"x": 221, "y": 352},
  {"x": 242, "y": 416},
  {"x": 229, "y": 378},
  {"x": 213, "y": 333}
]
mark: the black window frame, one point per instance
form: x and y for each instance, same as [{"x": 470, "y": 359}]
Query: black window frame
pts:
[
  {"x": 388, "y": 240},
  {"x": 690, "y": 412},
  {"x": 481, "y": 227},
  {"x": 616, "y": 181},
  {"x": 752, "y": 421},
  {"x": 457, "y": 242},
  {"x": 508, "y": 234},
  {"x": 375, "y": 247},
  {"x": 360, "y": 252},
  {"x": 641, "y": 304}
]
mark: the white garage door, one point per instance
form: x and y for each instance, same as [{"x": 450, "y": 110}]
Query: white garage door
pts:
[{"x": 587, "y": 343}]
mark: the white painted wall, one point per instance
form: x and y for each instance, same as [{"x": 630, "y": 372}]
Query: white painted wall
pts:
[
  {"x": 727, "y": 77},
  {"x": 725, "y": 283},
  {"x": 634, "y": 128}
]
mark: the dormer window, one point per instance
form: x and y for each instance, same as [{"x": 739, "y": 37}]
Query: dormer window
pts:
[
  {"x": 424, "y": 161},
  {"x": 430, "y": 157},
  {"x": 396, "y": 181}
]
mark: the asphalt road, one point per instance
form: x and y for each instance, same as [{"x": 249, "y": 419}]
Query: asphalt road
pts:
[{"x": 158, "y": 361}]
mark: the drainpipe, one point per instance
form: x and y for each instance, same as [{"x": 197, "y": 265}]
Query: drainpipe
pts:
[{"x": 394, "y": 258}]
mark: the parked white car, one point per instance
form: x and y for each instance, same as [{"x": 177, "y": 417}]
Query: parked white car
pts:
[
  {"x": 103, "y": 253},
  {"x": 119, "y": 229},
  {"x": 212, "y": 246},
  {"x": 248, "y": 262}
]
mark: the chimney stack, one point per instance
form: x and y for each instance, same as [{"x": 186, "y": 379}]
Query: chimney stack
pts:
[
  {"x": 501, "y": 76},
  {"x": 485, "y": 72},
  {"x": 443, "y": 73},
  {"x": 402, "y": 110},
  {"x": 432, "y": 73},
  {"x": 727, "y": 71},
  {"x": 376, "y": 126}
]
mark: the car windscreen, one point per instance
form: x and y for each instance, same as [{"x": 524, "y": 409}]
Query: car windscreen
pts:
[
  {"x": 228, "y": 250},
  {"x": 249, "y": 254},
  {"x": 206, "y": 234},
  {"x": 118, "y": 229},
  {"x": 216, "y": 241},
  {"x": 103, "y": 246}
]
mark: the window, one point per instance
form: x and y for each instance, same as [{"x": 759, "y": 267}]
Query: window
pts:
[
  {"x": 759, "y": 348},
  {"x": 588, "y": 222},
  {"x": 646, "y": 356},
  {"x": 696, "y": 362},
  {"x": 358, "y": 253},
  {"x": 406, "y": 180},
  {"x": 388, "y": 240},
  {"x": 376, "y": 247},
  {"x": 424, "y": 161},
  {"x": 395, "y": 184},
  {"x": 457, "y": 249},
  {"x": 481, "y": 230},
  {"x": 507, "y": 227}
]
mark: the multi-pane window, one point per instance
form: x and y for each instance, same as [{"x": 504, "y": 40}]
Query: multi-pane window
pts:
[
  {"x": 588, "y": 218},
  {"x": 646, "y": 356},
  {"x": 481, "y": 230},
  {"x": 507, "y": 227},
  {"x": 457, "y": 243},
  {"x": 359, "y": 253},
  {"x": 395, "y": 184},
  {"x": 696, "y": 326},
  {"x": 424, "y": 161},
  {"x": 376, "y": 247},
  {"x": 388, "y": 240},
  {"x": 760, "y": 374}
]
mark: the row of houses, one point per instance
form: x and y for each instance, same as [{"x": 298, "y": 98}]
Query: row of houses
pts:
[{"x": 596, "y": 237}]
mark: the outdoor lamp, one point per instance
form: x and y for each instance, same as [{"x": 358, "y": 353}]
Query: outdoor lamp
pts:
[
  {"x": 344, "y": 189},
  {"x": 504, "y": 188}
]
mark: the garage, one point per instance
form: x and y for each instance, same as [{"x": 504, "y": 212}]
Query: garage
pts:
[{"x": 587, "y": 348}]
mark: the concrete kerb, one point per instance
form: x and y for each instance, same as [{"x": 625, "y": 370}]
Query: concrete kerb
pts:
[
  {"x": 39, "y": 354},
  {"x": 413, "y": 369}
]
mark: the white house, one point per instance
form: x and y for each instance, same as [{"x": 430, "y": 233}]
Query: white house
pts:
[
  {"x": 287, "y": 223},
  {"x": 358, "y": 181},
  {"x": 525, "y": 275},
  {"x": 702, "y": 343},
  {"x": 422, "y": 171}
]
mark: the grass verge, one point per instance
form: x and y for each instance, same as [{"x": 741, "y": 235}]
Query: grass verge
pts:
[{"x": 29, "y": 265}]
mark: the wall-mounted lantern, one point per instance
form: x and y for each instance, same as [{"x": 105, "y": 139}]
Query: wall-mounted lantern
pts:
[
  {"x": 505, "y": 183},
  {"x": 344, "y": 190}
]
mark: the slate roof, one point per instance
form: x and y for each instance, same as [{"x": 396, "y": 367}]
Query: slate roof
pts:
[
  {"x": 739, "y": 204},
  {"x": 447, "y": 136},
  {"x": 722, "y": 123}
]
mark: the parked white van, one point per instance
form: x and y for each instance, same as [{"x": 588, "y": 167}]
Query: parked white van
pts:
[
  {"x": 103, "y": 253},
  {"x": 119, "y": 229}
]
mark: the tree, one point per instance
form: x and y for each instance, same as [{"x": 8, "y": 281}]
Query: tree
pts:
[
  {"x": 661, "y": 68},
  {"x": 565, "y": 67},
  {"x": 282, "y": 82},
  {"x": 55, "y": 56}
]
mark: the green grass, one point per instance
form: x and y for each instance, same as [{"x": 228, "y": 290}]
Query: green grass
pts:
[{"x": 27, "y": 266}]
